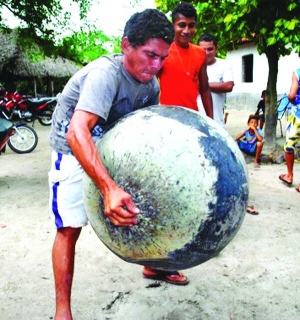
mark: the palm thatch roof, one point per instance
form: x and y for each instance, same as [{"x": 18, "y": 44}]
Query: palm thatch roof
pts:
[
  {"x": 23, "y": 67},
  {"x": 8, "y": 48},
  {"x": 59, "y": 67},
  {"x": 14, "y": 61}
]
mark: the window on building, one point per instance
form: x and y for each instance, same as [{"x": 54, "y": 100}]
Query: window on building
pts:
[{"x": 247, "y": 68}]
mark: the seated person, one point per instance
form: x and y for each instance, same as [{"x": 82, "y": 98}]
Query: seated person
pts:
[
  {"x": 260, "y": 112},
  {"x": 250, "y": 141}
]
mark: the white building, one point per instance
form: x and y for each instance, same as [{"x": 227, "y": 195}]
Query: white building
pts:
[{"x": 250, "y": 71}]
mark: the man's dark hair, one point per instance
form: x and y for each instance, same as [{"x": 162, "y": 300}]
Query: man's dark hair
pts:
[
  {"x": 207, "y": 37},
  {"x": 264, "y": 92},
  {"x": 252, "y": 116},
  {"x": 186, "y": 9},
  {"x": 148, "y": 24}
]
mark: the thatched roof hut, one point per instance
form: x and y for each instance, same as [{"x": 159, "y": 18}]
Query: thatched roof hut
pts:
[
  {"x": 8, "y": 48},
  {"x": 58, "y": 67},
  {"x": 21, "y": 66},
  {"x": 16, "y": 64}
]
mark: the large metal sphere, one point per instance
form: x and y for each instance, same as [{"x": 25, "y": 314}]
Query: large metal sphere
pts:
[{"x": 187, "y": 176}]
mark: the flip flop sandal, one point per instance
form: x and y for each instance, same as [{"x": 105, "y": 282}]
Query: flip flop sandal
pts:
[
  {"x": 281, "y": 177},
  {"x": 251, "y": 210},
  {"x": 167, "y": 276}
]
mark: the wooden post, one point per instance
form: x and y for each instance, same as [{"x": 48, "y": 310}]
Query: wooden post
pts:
[{"x": 34, "y": 84}]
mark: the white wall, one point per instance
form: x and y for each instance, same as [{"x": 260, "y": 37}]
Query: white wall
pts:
[{"x": 247, "y": 95}]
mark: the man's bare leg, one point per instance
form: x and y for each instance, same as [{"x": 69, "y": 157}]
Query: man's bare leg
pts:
[
  {"x": 259, "y": 147},
  {"x": 261, "y": 123},
  {"x": 288, "y": 178},
  {"x": 225, "y": 117},
  {"x": 63, "y": 257},
  {"x": 289, "y": 158}
]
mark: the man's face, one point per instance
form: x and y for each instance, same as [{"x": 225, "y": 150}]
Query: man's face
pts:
[
  {"x": 144, "y": 62},
  {"x": 253, "y": 123},
  {"x": 210, "y": 50},
  {"x": 185, "y": 29}
]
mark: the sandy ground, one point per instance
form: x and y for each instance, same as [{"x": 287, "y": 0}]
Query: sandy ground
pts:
[{"x": 255, "y": 277}]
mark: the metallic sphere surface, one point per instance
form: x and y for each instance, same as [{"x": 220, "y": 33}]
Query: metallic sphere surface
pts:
[{"x": 186, "y": 175}]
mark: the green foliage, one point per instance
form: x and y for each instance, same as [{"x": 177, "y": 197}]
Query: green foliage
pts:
[
  {"x": 78, "y": 47},
  {"x": 116, "y": 41},
  {"x": 266, "y": 22},
  {"x": 42, "y": 18},
  {"x": 39, "y": 31},
  {"x": 34, "y": 46},
  {"x": 83, "y": 47}
]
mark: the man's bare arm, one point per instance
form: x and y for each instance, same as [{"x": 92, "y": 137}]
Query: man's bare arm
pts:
[
  {"x": 221, "y": 87},
  {"x": 205, "y": 91},
  {"x": 118, "y": 204}
]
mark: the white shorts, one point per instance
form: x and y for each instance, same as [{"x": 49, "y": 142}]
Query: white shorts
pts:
[{"x": 65, "y": 184}]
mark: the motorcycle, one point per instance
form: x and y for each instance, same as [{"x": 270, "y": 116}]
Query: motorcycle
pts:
[
  {"x": 18, "y": 136},
  {"x": 29, "y": 109},
  {"x": 6, "y": 131}
]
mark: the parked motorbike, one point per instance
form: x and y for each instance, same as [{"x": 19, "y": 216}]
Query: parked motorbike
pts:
[
  {"x": 29, "y": 109},
  {"x": 6, "y": 131},
  {"x": 18, "y": 136}
]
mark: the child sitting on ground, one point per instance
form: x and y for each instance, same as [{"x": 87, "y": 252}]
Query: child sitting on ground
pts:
[{"x": 250, "y": 141}]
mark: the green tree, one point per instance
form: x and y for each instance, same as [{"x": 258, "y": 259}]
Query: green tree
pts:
[
  {"x": 83, "y": 47},
  {"x": 43, "y": 18},
  {"x": 273, "y": 25},
  {"x": 41, "y": 25}
]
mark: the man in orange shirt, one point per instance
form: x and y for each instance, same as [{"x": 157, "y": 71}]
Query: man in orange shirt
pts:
[{"x": 183, "y": 75}]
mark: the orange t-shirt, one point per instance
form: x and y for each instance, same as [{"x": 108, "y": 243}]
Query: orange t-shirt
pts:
[{"x": 178, "y": 78}]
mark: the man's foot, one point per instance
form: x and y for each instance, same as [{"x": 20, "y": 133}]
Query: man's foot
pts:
[
  {"x": 256, "y": 165},
  {"x": 247, "y": 158},
  {"x": 298, "y": 188},
  {"x": 252, "y": 210},
  {"x": 172, "y": 277},
  {"x": 284, "y": 178}
]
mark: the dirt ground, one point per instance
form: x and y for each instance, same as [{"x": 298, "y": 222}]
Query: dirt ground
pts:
[{"x": 255, "y": 277}]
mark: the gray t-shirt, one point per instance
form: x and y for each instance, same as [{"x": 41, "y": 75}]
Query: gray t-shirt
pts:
[{"x": 102, "y": 87}]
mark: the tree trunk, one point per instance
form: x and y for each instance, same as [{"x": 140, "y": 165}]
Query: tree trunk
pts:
[
  {"x": 52, "y": 87},
  {"x": 271, "y": 101},
  {"x": 34, "y": 84}
]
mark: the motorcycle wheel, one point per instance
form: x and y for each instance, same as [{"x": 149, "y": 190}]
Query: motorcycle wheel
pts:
[
  {"x": 24, "y": 139},
  {"x": 45, "y": 117}
]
